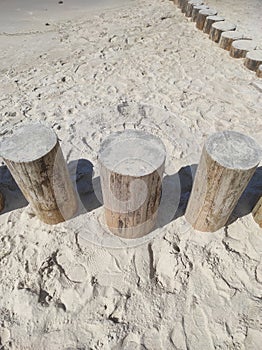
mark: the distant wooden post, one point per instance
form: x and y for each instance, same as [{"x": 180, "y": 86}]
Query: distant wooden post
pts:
[
  {"x": 228, "y": 37},
  {"x": 131, "y": 169},
  {"x": 228, "y": 161},
  {"x": 240, "y": 48},
  {"x": 209, "y": 21},
  {"x": 195, "y": 11},
  {"x": 253, "y": 60},
  {"x": 257, "y": 213},
  {"x": 218, "y": 28},
  {"x": 190, "y": 5},
  {"x": 259, "y": 71},
  {"x": 201, "y": 17},
  {"x": 34, "y": 157},
  {"x": 2, "y": 201}
]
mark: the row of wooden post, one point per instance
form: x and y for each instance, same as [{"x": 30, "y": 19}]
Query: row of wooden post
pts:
[
  {"x": 131, "y": 170},
  {"x": 223, "y": 32}
]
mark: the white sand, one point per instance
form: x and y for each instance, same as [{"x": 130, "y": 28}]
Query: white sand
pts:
[{"x": 141, "y": 66}]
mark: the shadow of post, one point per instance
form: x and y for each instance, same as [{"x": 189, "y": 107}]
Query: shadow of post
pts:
[
  {"x": 249, "y": 197},
  {"x": 14, "y": 198}
]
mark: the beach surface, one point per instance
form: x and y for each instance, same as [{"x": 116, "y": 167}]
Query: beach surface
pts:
[{"x": 92, "y": 71}]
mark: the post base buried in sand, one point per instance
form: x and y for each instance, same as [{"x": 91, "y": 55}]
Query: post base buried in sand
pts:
[
  {"x": 131, "y": 169},
  {"x": 257, "y": 212},
  {"x": 229, "y": 160},
  {"x": 34, "y": 157}
]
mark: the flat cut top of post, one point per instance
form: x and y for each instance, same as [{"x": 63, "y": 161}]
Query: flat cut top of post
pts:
[
  {"x": 255, "y": 55},
  {"x": 132, "y": 152},
  {"x": 244, "y": 44},
  {"x": 234, "y": 34},
  {"x": 28, "y": 143},
  {"x": 224, "y": 26},
  {"x": 215, "y": 18},
  {"x": 234, "y": 150},
  {"x": 208, "y": 12}
]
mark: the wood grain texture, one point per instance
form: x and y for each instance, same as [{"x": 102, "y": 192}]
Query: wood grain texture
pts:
[
  {"x": 227, "y": 163},
  {"x": 259, "y": 71},
  {"x": 45, "y": 181},
  {"x": 195, "y": 11},
  {"x": 190, "y": 6},
  {"x": 253, "y": 60},
  {"x": 257, "y": 213},
  {"x": 131, "y": 201},
  {"x": 202, "y": 15},
  {"x": 218, "y": 28},
  {"x": 228, "y": 37},
  {"x": 209, "y": 21},
  {"x": 240, "y": 48}
]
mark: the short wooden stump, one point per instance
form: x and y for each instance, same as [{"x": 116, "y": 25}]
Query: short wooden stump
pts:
[
  {"x": 218, "y": 28},
  {"x": 202, "y": 15},
  {"x": 229, "y": 160},
  {"x": 190, "y": 5},
  {"x": 34, "y": 157},
  {"x": 209, "y": 21},
  {"x": 195, "y": 11},
  {"x": 240, "y": 48},
  {"x": 228, "y": 37},
  {"x": 131, "y": 169},
  {"x": 253, "y": 60},
  {"x": 259, "y": 71}
]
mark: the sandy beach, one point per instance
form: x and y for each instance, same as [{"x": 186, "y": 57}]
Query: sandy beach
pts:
[{"x": 87, "y": 71}]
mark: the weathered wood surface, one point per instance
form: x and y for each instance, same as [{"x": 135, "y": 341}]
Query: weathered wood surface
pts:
[
  {"x": 229, "y": 160},
  {"x": 184, "y": 6},
  {"x": 202, "y": 15},
  {"x": 209, "y": 21},
  {"x": 218, "y": 28},
  {"x": 131, "y": 169},
  {"x": 228, "y": 37},
  {"x": 190, "y": 6},
  {"x": 259, "y": 71},
  {"x": 34, "y": 157},
  {"x": 257, "y": 212},
  {"x": 195, "y": 11},
  {"x": 2, "y": 201},
  {"x": 240, "y": 48},
  {"x": 253, "y": 60}
]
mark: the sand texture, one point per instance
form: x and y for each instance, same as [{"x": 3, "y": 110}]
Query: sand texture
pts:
[{"x": 74, "y": 286}]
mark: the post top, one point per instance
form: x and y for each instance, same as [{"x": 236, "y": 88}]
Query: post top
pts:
[
  {"x": 132, "y": 153},
  {"x": 234, "y": 150},
  {"x": 28, "y": 143}
]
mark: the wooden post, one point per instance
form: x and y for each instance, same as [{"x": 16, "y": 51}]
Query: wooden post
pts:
[
  {"x": 184, "y": 6},
  {"x": 196, "y": 9},
  {"x": 253, "y": 60},
  {"x": 228, "y": 37},
  {"x": 257, "y": 212},
  {"x": 218, "y": 28},
  {"x": 190, "y": 6},
  {"x": 201, "y": 17},
  {"x": 2, "y": 201},
  {"x": 240, "y": 48},
  {"x": 229, "y": 160},
  {"x": 131, "y": 168},
  {"x": 34, "y": 157},
  {"x": 259, "y": 71},
  {"x": 209, "y": 21}
]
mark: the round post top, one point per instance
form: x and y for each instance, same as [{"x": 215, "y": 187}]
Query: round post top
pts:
[
  {"x": 234, "y": 150},
  {"x": 132, "y": 153},
  {"x": 28, "y": 143}
]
